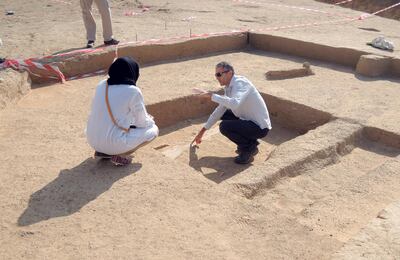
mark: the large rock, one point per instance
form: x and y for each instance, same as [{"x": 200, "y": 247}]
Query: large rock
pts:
[{"x": 13, "y": 86}]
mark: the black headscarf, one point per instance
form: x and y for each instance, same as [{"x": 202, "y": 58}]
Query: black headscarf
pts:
[{"x": 124, "y": 70}]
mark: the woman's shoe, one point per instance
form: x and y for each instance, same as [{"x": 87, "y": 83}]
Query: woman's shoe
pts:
[{"x": 120, "y": 161}]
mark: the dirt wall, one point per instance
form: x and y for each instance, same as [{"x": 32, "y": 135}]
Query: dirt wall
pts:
[
  {"x": 343, "y": 56},
  {"x": 382, "y": 136},
  {"x": 395, "y": 67},
  {"x": 170, "y": 112},
  {"x": 284, "y": 112},
  {"x": 295, "y": 116},
  {"x": 155, "y": 53}
]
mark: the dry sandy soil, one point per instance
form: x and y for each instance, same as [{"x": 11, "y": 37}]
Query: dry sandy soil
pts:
[{"x": 329, "y": 193}]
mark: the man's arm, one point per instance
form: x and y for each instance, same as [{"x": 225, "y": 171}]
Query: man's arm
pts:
[
  {"x": 199, "y": 136},
  {"x": 214, "y": 117}
]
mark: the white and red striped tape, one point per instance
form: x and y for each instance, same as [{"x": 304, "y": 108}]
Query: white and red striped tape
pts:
[
  {"x": 32, "y": 66},
  {"x": 343, "y": 2},
  {"x": 364, "y": 16},
  {"x": 86, "y": 75},
  {"x": 305, "y": 25},
  {"x": 291, "y": 7},
  {"x": 63, "y": 2},
  {"x": 143, "y": 10}
]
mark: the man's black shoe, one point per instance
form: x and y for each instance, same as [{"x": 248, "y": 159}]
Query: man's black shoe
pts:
[
  {"x": 254, "y": 152},
  {"x": 244, "y": 158},
  {"x": 111, "y": 42},
  {"x": 90, "y": 44}
]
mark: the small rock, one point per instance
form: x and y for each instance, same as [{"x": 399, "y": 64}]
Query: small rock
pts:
[
  {"x": 291, "y": 73},
  {"x": 306, "y": 65},
  {"x": 383, "y": 214}
]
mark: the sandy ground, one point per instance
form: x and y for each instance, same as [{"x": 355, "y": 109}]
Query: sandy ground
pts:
[{"x": 177, "y": 202}]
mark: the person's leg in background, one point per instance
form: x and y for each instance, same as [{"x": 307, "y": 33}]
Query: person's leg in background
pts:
[
  {"x": 88, "y": 20},
  {"x": 105, "y": 12}
]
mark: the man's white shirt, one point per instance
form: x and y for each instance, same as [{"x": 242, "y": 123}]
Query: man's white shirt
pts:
[{"x": 245, "y": 102}]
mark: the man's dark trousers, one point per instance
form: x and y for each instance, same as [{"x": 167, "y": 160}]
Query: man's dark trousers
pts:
[{"x": 244, "y": 133}]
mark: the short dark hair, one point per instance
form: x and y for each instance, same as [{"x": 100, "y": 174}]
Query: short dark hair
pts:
[{"x": 226, "y": 66}]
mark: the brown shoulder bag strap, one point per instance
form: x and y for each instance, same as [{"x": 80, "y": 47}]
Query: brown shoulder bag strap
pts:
[{"x": 110, "y": 113}]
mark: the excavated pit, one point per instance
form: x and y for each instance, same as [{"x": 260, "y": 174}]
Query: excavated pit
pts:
[
  {"x": 214, "y": 157},
  {"x": 303, "y": 140}
]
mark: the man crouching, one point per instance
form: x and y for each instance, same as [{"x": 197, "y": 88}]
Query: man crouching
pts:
[{"x": 243, "y": 112}]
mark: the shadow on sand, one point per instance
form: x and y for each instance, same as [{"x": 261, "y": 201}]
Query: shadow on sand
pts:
[
  {"x": 224, "y": 167},
  {"x": 73, "y": 189}
]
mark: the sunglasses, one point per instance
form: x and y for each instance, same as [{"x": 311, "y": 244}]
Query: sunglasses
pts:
[{"x": 219, "y": 74}]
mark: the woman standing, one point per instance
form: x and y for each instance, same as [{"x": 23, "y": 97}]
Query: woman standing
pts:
[{"x": 118, "y": 122}]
